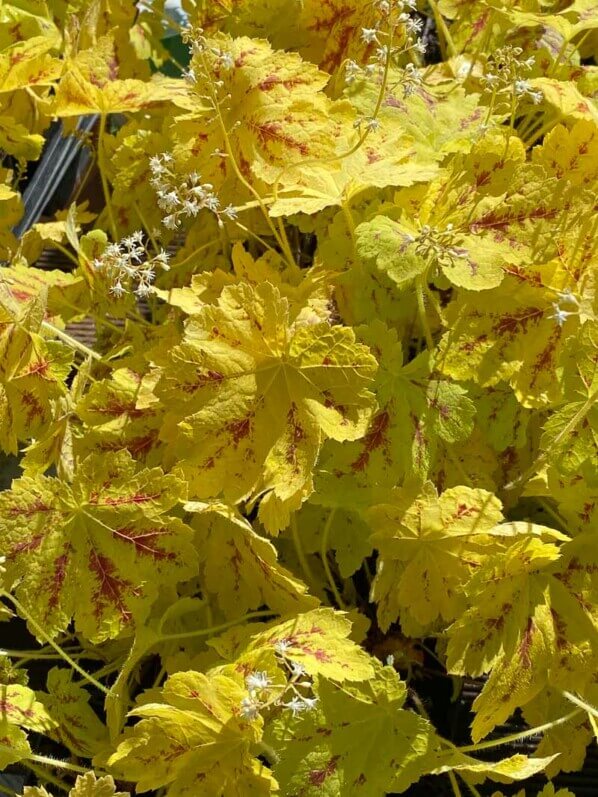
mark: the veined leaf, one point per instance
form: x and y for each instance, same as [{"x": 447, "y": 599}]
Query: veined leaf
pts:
[
  {"x": 85, "y": 786},
  {"x": 319, "y": 641},
  {"x": 19, "y": 709},
  {"x": 353, "y": 743},
  {"x": 239, "y": 568},
  {"x": 194, "y": 740},
  {"x": 32, "y": 370},
  {"x": 111, "y": 524},
  {"x": 528, "y": 623},
  {"x": 429, "y": 547},
  {"x": 258, "y": 392}
]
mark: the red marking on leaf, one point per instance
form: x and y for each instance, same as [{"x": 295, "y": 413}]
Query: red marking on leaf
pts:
[
  {"x": 523, "y": 274},
  {"x": 7, "y": 708},
  {"x": 25, "y": 546},
  {"x": 297, "y": 435},
  {"x": 465, "y": 511},
  {"x": 512, "y": 324},
  {"x": 239, "y": 429},
  {"x": 22, "y": 295},
  {"x": 321, "y": 655},
  {"x": 373, "y": 440},
  {"x": 124, "y": 500},
  {"x": 57, "y": 576},
  {"x": 275, "y": 80},
  {"x": 28, "y": 511},
  {"x": 111, "y": 588},
  {"x": 525, "y": 644},
  {"x": 496, "y": 221},
  {"x": 34, "y": 408},
  {"x": 115, "y": 407},
  {"x": 274, "y": 131},
  {"x": 317, "y": 777},
  {"x": 202, "y": 380},
  {"x": 144, "y": 542},
  {"x": 483, "y": 178}
]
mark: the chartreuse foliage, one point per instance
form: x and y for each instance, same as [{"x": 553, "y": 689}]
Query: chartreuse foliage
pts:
[{"x": 336, "y": 440}]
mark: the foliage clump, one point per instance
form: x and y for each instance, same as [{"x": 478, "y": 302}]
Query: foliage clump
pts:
[{"x": 336, "y": 438}]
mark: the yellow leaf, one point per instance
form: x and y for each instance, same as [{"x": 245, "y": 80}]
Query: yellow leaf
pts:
[{"x": 251, "y": 393}]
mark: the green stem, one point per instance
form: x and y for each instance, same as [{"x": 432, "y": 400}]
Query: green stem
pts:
[
  {"x": 515, "y": 737},
  {"x": 421, "y": 309},
  {"x": 540, "y": 461},
  {"x": 581, "y": 703},
  {"x": 66, "y": 253},
  {"x": 46, "y": 777},
  {"x": 324, "y": 557},
  {"x": 216, "y": 629},
  {"x": 472, "y": 788},
  {"x": 44, "y": 635},
  {"x": 454, "y": 784},
  {"x": 54, "y": 762},
  {"x": 448, "y": 43},
  {"x": 307, "y": 571},
  {"x": 72, "y": 342},
  {"x": 146, "y": 227},
  {"x": 102, "y": 170}
]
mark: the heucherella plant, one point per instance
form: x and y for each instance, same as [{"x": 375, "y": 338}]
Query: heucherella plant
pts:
[{"x": 328, "y": 463}]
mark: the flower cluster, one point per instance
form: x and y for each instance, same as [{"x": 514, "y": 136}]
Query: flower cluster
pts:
[
  {"x": 200, "y": 45},
  {"x": 438, "y": 246},
  {"x": 504, "y": 76},
  {"x": 295, "y": 695},
  {"x": 396, "y": 33},
  {"x": 126, "y": 266},
  {"x": 183, "y": 197}
]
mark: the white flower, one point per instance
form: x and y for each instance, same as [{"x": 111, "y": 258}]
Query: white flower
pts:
[
  {"x": 522, "y": 87},
  {"x": 372, "y": 125},
  {"x": 559, "y": 315},
  {"x": 162, "y": 259},
  {"x": 310, "y": 703},
  {"x": 369, "y": 36},
  {"x": 414, "y": 25},
  {"x": 230, "y": 212},
  {"x": 382, "y": 53},
  {"x": 191, "y": 207},
  {"x": 143, "y": 289},
  {"x": 297, "y": 669},
  {"x": 212, "y": 203},
  {"x": 250, "y": 708},
  {"x": 296, "y": 706},
  {"x": 490, "y": 79},
  {"x": 282, "y": 646},
  {"x": 567, "y": 296},
  {"x": 117, "y": 289},
  {"x": 258, "y": 680},
  {"x": 190, "y": 76},
  {"x": 226, "y": 60},
  {"x": 156, "y": 166},
  {"x": 170, "y": 222}
]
